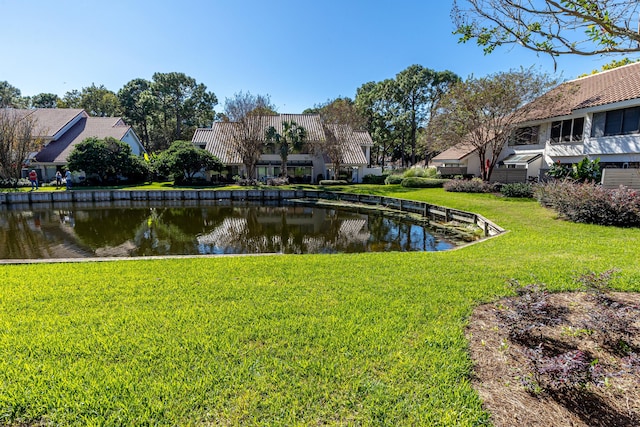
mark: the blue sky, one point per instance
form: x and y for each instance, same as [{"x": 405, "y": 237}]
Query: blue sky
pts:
[{"x": 301, "y": 53}]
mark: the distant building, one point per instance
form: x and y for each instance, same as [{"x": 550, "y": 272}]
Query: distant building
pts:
[
  {"x": 304, "y": 166},
  {"x": 60, "y": 129}
]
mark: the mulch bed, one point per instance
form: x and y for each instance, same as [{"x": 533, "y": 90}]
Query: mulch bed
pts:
[{"x": 500, "y": 365}]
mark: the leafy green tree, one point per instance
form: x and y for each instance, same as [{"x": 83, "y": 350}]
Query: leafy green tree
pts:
[
  {"x": 98, "y": 101},
  {"x": 555, "y": 27},
  {"x": 380, "y": 112},
  {"x": 139, "y": 105},
  {"x": 10, "y": 96},
  {"x": 183, "y": 160},
  {"x": 183, "y": 105},
  {"x": 247, "y": 112},
  {"x": 339, "y": 111},
  {"x": 418, "y": 91},
  {"x": 106, "y": 159},
  {"x": 45, "y": 100},
  {"x": 397, "y": 109},
  {"x": 482, "y": 113},
  {"x": 71, "y": 99},
  {"x": 291, "y": 137}
]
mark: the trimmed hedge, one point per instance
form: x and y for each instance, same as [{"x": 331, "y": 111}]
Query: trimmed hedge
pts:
[
  {"x": 375, "y": 179},
  {"x": 475, "y": 185},
  {"x": 416, "y": 182},
  {"x": 393, "y": 179}
]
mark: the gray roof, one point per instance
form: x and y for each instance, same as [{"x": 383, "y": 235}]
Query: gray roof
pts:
[{"x": 100, "y": 127}]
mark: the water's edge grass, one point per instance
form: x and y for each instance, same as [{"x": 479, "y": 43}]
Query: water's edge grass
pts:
[{"x": 364, "y": 339}]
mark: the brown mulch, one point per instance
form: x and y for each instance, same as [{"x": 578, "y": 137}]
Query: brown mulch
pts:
[{"x": 500, "y": 366}]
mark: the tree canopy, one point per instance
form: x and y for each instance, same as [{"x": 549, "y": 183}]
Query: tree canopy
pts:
[
  {"x": 183, "y": 160},
  {"x": 397, "y": 110},
  {"x": 106, "y": 160},
  {"x": 289, "y": 138},
  {"x": 555, "y": 27},
  {"x": 480, "y": 114}
]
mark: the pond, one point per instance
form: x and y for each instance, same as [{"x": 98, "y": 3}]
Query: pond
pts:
[{"x": 106, "y": 229}]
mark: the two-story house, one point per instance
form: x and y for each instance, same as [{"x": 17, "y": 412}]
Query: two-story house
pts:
[{"x": 597, "y": 116}]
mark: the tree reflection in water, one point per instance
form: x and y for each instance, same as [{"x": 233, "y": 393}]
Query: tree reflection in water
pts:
[{"x": 212, "y": 229}]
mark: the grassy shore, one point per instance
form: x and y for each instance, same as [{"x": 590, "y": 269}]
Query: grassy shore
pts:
[{"x": 364, "y": 339}]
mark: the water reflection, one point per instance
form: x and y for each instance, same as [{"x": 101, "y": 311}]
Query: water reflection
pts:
[{"x": 142, "y": 229}]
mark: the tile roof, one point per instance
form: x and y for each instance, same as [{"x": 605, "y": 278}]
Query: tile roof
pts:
[
  {"x": 99, "y": 127},
  {"x": 596, "y": 90},
  {"x": 607, "y": 87},
  {"x": 457, "y": 152}
]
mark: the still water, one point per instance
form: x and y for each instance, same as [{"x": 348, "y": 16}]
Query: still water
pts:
[{"x": 103, "y": 230}]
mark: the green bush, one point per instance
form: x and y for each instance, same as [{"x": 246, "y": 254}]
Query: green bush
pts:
[
  {"x": 393, "y": 179},
  {"x": 416, "y": 182},
  {"x": 375, "y": 179},
  {"x": 327, "y": 182},
  {"x": 475, "y": 185},
  {"x": 420, "y": 172},
  {"x": 518, "y": 189}
]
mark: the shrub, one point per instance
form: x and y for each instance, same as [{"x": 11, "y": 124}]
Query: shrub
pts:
[
  {"x": 278, "y": 181},
  {"x": 517, "y": 189},
  {"x": 583, "y": 171},
  {"x": 420, "y": 172},
  {"x": 327, "y": 182},
  {"x": 415, "y": 182},
  {"x": 571, "y": 369},
  {"x": 393, "y": 179},
  {"x": 592, "y": 204},
  {"x": 526, "y": 313},
  {"x": 375, "y": 179},
  {"x": 12, "y": 183},
  {"x": 475, "y": 185}
]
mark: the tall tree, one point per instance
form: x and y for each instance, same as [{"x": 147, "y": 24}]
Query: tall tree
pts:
[
  {"x": 418, "y": 90},
  {"x": 556, "y": 27},
  {"x": 340, "y": 111},
  {"x": 138, "y": 106},
  {"x": 71, "y": 99},
  {"x": 10, "y": 96},
  {"x": 481, "y": 113},
  {"x": 17, "y": 140},
  {"x": 375, "y": 104},
  {"x": 98, "y": 101},
  {"x": 247, "y": 112},
  {"x": 184, "y": 104},
  {"x": 291, "y": 137},
  {"x": 45, "y": 100}
]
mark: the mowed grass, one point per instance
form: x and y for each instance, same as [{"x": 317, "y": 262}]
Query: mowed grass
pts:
[{"x": 364, "y": 339}]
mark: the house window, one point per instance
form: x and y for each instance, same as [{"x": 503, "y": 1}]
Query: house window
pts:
[
  {"x": 625, "y": 121},
  {"x": 525, "y": 136},
  {"x": 569, "y": 130}
]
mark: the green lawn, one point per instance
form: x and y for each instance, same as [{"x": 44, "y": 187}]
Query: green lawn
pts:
[{"x": 365, "y": 339}]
